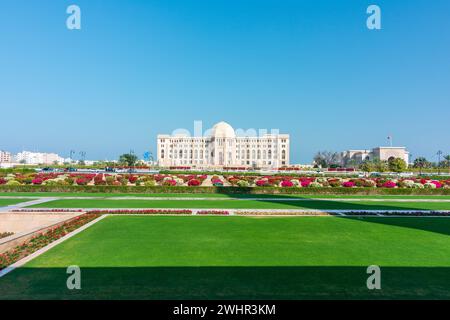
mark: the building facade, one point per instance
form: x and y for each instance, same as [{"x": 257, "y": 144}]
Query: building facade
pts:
[
  {"x": 5, "y": 157},
  {"x": 380, "y": 153},
  {"x": 28, "y": 157},
  {"x": 222, "y": 148}
]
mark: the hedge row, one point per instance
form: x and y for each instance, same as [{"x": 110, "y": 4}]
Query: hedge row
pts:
[{"x": 223, "y": 190}]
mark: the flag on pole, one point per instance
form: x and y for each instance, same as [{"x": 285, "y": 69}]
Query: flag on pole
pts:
[{"x": 390, "y": 140}]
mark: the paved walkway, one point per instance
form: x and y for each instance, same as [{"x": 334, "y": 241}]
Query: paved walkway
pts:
[{"x": 25, "y": 204}]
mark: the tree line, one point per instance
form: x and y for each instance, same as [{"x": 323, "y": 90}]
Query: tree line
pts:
[{"x": 330, "y": 159}]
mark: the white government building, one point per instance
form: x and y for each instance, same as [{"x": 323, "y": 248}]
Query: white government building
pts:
[
  {"x": 223, "y": 148},
  {"x": 380, "y": 153}
]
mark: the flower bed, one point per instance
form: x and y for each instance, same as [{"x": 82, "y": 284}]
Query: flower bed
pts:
[
  {"x": 213, "y": 212},
  {"x": 284, "y": 213},
  {"x": 48, "y": 210},
  {"x": 195, "y": 180},
  {"x": 5, "y": 234},
  {"x": 43, "y": 239},
  {"x": 144, "y": 211},
  {"x": 324, "y": 182},
  {"x": 225, "y": 190},
  {"x": 418, "y": 214},
  {"x": 350, "y": 213}
]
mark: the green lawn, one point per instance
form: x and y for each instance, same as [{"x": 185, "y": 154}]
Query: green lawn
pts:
[
  {"x": 244, "y": 204},
  {"x": 243, "y": 257},
  {"x": 8, "y": 202}
]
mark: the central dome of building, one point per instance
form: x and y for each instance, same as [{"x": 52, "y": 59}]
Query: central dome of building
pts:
[{"x": 223, "y": 130}]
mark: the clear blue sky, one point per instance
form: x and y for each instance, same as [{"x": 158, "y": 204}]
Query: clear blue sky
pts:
[{"x": 140, "y": 67}]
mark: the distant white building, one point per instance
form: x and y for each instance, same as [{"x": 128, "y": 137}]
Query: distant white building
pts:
[
  {"x": 28, "y": 157},
  {"x": 5, "y": 157},
  {"x": 380, "y": 153},
  {"x": 223, "y": 148}
]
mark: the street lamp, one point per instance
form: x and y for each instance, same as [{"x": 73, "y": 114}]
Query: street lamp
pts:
[
  {"x": 72, "y": 152},
  {"x": 439, "y": 154}
]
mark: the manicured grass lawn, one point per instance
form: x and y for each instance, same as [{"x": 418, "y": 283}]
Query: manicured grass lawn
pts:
[
  {"x": 210, "y": 195},
  {"x": 244, "y": 204},
  {"x": 8, "y": 202},
  {"x": 243, "y": 257}
]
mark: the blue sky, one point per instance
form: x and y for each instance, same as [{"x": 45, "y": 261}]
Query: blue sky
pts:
[{"x": 140, "y": 67}]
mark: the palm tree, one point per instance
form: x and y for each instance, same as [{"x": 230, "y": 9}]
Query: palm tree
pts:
[
  {"x": 446, "y": 161},
  {"x": 421, "y": 163}
]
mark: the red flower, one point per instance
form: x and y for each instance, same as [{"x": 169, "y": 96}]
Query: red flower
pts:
[
  {"x": 389, "y": 184},
  {"x": 37, "y": 181},
  {"x": 193, "y": 183}
]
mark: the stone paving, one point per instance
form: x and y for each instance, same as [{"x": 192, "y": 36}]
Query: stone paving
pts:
[{"x": 25, "y": 204}]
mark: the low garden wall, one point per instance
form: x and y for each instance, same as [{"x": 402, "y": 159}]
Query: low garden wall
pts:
[{"x": 224, "y": 190}]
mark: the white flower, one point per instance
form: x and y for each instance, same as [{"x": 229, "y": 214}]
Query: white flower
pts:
[
  {"x": 429, "y": 185},
  {"x": 315, "y": 185}
]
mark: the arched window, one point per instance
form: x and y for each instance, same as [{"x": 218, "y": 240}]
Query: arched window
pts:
[
  {"x": 270, "y": 154},
  {"x": 259, "y": 154},
  {"x": 181, "y": 154},
  {"x": 283, "y": 154}
]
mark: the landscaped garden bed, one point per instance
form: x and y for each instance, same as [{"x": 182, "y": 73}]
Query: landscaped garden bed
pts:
[
  {"x": 213, "y": 213},
  {"x": 5, "y": 234},
  {"x": 143, "y": 212},
  {"x": 43, "y": 239},
  {"x": 284, "y": 213},
  {"x": 194, "y": 180},
  {"x": 159, "y": 212},
  {"x": 224, "y": 190},
  {"x": 47, "y": 210}
]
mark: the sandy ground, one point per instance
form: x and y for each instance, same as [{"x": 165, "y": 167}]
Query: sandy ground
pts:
[{"x": 24, "y": 222}]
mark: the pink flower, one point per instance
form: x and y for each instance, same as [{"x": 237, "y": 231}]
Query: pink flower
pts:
[
  {"x": 348, "y": 184},
  {"x": 389, "y": 184},
  {"x": 37, "y": 181},
  {"x": 437, "y": 184},
  {"x": 287, "y": 184},
  {"x": 306, "y": 183}
]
